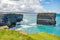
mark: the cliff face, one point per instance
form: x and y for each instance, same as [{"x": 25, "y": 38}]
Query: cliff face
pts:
[
  {"x": 46, "y": 18},
  {"x": 10, "y": 19}
]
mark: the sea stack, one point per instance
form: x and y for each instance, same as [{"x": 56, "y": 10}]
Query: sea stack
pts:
[{"x": 46, "y": 18}]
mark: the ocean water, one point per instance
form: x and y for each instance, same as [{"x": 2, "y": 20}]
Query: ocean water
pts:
[{"x": 33, "y": 28}]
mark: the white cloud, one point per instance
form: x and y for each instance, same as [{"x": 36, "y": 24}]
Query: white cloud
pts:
[
  {"x": 21, "y": 5},
  {"x": 38, "y": 8},
  {"x": 41, "y": 0}
]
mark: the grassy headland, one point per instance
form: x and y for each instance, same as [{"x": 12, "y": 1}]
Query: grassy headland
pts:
[{"x": 19, "y": 35}]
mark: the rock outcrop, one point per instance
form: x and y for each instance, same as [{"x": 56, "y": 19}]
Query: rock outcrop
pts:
[
  {"x": 4, "y": 27},
  {"x": 46, "y": 18},
  {"x": 10, "y": 19}
]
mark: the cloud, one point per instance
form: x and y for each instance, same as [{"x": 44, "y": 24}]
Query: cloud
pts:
[
  {"x": 38, "y": 8},
  {"x": 21, "y": 5},
  {"x": 41, "y": 0}
]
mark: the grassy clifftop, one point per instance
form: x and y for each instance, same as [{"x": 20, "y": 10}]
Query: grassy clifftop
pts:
[
  {"x": 44, "y": 36},
  {"x": 18, "y": 35},
  {"x": 13, "y": 35}
]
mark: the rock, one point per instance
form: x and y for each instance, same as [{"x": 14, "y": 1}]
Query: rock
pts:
[
  {"x": 4, "y": 27},
  {"x": 10, "y": 19},
  {"x": 46, "y": 18}
]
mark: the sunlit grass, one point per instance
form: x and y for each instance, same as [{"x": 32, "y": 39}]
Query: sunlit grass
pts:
[
  {"x": 44, "y": 36},
  {"x": 13, "y": 35},
  {"x": 16, "y": 35}
]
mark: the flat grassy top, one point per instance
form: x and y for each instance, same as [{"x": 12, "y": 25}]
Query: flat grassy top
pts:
[
  {"x": 13, "y": 35},
  {"x": 44, "y": 36},
  {"x": 16, "y": 35}
]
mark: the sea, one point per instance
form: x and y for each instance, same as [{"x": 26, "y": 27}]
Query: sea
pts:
[{"x": 29, "y": 25}]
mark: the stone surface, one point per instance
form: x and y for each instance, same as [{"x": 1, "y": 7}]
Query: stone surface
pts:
[
  {"x": 4, "y": 27},
  {"x": 46, "y": 18},
  {"x": 10, "y": 19}
]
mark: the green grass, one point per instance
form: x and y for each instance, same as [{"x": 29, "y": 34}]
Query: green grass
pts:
[
  {"x": 13, "y": 35},
  {"x": 44, "y": 36},
  {"x": 16, "y": 35}
]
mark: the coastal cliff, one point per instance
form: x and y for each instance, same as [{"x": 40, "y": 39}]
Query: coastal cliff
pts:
[{"x": 46, "y": 18}]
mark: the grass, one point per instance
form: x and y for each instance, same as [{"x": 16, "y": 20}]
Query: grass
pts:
[
  {"x": 44, "y": 36},
  {"x": 16, "y": 35},
  {"x": 13, "y": 35}
]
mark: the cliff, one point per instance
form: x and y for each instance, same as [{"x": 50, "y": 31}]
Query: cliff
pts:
[
  {"x": 46, "y": 18},
  {"x": 10, "y": 19}
]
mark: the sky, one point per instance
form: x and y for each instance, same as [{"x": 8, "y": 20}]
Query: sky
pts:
[{"x": 30, "y": 5}]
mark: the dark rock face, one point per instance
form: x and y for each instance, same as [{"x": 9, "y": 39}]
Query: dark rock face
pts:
[
  {"x": 10, "y": 19},
  {"x": 46, "y": 18}
]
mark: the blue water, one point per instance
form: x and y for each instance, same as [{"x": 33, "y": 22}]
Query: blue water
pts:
[
  {"x": 45, "y": 28},
  {"x": 42, "y": 28}
]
